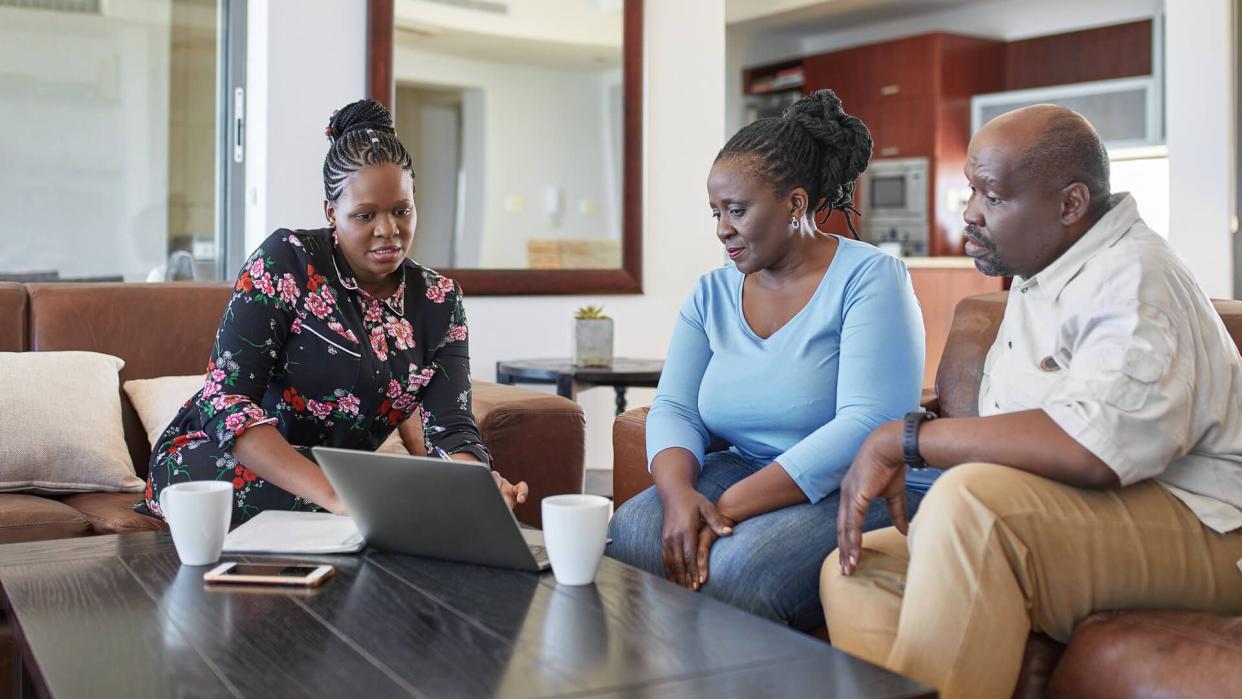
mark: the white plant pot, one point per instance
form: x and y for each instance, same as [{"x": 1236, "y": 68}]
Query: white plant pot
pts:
[{"x": 592, "y": 342}]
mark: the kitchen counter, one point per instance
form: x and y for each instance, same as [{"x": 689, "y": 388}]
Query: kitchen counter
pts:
[{"x": 954, "y": 262}]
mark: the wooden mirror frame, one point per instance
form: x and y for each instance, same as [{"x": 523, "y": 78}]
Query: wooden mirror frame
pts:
[{"x": 628, "y": 279}]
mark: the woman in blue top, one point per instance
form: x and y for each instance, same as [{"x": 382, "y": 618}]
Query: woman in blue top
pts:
[{"x": 791, "y": 355}]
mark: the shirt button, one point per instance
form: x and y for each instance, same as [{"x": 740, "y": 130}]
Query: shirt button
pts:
[
  {"x": 1011, "y": 344},
  {"x": 996, "y": 404},
  {"x": 1023, "y": 290}
]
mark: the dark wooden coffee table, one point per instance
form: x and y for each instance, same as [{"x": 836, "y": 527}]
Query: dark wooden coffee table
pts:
[{"x": 119, "y": 616}]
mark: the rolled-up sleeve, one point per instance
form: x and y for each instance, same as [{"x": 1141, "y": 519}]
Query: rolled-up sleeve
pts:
[
  {"x": 1126, "y": 395},
  {"x": 447, "y": 400},
  {"x": 879, "y": 376},
  {"x": 674, "y": 420}
]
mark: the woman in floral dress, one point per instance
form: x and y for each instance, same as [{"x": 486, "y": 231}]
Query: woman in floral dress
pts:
[{"x": 331, "y": 338}]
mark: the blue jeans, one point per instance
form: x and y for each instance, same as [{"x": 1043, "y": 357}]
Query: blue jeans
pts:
[{"x": 769, "y": 565}]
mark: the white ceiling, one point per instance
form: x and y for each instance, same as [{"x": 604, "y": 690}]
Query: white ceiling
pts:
[
  {"x": 573, "y": 34},
  {"x": 810, "y": 16}
]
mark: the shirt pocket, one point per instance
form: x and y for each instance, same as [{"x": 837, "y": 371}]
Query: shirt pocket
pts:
[
  {"x": 317, "y": 360},
  {"x": 1130, "y": 376}
]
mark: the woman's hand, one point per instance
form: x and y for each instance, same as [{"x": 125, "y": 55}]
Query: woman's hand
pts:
[
  {"x": 686, "y": 514},
  {"x": 878, "y": 471},
  {"x": 335, "y": 505},
  {"x": 707, "y": 537},
  {"x": 514, "y": 495}
]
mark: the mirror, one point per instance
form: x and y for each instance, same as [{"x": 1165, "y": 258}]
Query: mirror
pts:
[{"x": 524, "y": 121}]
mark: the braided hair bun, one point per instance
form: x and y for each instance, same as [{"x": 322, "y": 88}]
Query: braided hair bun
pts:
[
  {"x": 814, "y": 145},
  {"x": 363, "y": 114},
  {"x": 361, "y": 134},
  {"x": 845, "y": 141}
]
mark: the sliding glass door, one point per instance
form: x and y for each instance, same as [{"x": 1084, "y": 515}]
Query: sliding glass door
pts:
[{"x": 117, "y": 140}]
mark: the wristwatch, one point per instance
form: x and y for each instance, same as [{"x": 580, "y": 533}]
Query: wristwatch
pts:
[{"x": 910, "y": 437}]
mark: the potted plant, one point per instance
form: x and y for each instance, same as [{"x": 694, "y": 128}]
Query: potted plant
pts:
[{"x": 592, "y": 337}]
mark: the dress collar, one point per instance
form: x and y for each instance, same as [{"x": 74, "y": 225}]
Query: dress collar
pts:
[
  {"x": 395, "y": 302},
  {"x": 1051, "y": 281}
]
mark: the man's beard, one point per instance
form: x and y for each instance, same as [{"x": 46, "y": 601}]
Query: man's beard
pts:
[{"x": 989, "y": 264}]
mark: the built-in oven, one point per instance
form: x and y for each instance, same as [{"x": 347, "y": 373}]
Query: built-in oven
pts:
[{"x": 893, "y": 203}]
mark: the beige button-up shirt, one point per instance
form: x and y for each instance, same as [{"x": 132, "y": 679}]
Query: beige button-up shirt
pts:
[{"x": 1117, "y": 343}]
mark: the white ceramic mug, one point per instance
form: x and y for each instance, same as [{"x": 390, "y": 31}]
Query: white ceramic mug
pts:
[
  {"x": 198, "y": 513},
  {"x": 575, "y": 528}
]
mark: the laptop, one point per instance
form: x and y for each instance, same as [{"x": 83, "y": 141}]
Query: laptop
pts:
[{"x": 423, "y": 506}]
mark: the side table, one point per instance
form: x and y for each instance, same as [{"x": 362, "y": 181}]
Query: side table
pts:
[{"x": 567, "y": 377}]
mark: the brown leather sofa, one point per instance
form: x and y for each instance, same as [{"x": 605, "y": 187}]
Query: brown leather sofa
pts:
[
  {"x": 1139, "y": 653},
  {"x": 167, "y": 329}
]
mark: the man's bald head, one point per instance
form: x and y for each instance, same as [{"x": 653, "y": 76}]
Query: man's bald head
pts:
[
  {"x": 1039, "y": 181},
  {"x": 1054, "y": 146}
]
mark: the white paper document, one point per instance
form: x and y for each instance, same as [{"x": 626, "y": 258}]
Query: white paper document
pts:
[{"x": 279, "y": 531}]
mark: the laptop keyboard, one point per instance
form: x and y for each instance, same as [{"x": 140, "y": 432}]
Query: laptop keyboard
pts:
[{"x": 540, "y": 553}]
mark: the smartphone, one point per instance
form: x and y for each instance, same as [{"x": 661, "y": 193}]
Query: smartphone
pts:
[{"x": 296, "y": 574}]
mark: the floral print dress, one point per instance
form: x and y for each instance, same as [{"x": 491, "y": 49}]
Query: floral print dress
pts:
[{"x": 304, "y": 348}]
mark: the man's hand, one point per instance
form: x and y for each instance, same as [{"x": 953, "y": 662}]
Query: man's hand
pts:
[
  {"x": 685, "y": 515},
  {"x": 878, "y": 471}
]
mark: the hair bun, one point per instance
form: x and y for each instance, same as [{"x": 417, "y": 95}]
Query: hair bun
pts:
[
  {"x": 824, "y": 118},
  {"x": 363, "y": 114}
]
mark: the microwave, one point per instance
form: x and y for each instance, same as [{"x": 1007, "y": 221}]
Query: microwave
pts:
[{"x": 893, "y": 202}]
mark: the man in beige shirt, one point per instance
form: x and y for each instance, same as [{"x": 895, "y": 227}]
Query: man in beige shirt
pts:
[{"x": 1113, "y": 397}]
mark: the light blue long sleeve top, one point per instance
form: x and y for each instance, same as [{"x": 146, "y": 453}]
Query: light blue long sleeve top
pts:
[{"x": 808, "y": 395}]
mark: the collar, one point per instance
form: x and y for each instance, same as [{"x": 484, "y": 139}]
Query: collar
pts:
[
  {"x": 395, "y": 303},
  {"x": 1051, "y": 281}
]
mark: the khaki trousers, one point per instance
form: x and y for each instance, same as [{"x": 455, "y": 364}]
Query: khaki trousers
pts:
[{"x": 995, "y": 553}]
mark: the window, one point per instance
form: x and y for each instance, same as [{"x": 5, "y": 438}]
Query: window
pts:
[
  {"x": 1144, "y": 173},
  {"x": 112, "y": 139}
]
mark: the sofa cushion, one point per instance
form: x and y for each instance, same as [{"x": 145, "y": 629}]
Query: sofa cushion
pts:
[
  {"x": 629, "y": 455},
  {"x": 113, "y": 513},
  {"x": 13, "y": 316},
  {"x": 60, "y": 431},
  {"x": 1151, "y": 654},
  {"x": 34, "y": 518},
  {"x": 157, "y": 400},
  {"x": 157, "y": 329}
]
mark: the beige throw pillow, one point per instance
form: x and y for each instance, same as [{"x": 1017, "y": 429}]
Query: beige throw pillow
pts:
[
  {"x": 157, "y": 402},
  {"x": 60, "y": 424}
]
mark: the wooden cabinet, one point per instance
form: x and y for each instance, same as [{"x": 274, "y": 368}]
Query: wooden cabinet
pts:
[
  {"x": 905, "y": 68},
  {"x": 878, "y": 73},
  {"x": 847, "y": 73},
  {"x": 938, "y": 291},
  {"x": 902, "y": 127},
  {"x": 1103, "y": 53}
]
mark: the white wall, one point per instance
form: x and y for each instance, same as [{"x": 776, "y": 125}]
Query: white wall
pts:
[
  {"x": 683, "y": 124},
  {"x": 305, "y": 59},
  {"x": 683, "y": 120},
  {"x": 1201, "y": 126},
  {"x": 541, "y": 130},
  {"x": 580, "y": 22},
  {"x": 84, "y": 131},
  {"x": 1010, "y": 20}
]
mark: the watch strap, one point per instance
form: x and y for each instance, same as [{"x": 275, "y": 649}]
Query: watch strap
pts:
[{"x": 910, "y": 437}]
